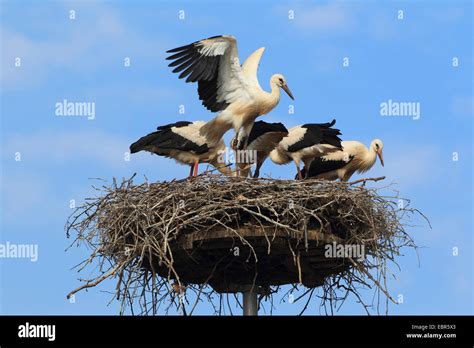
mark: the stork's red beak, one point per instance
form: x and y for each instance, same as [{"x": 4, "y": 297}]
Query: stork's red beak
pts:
[
  {"x": 287, "y": 90},
  {"x": 380, "y": 157}
]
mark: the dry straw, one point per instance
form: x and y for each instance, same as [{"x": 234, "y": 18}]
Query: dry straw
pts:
[{"x": 207, "y": 237}]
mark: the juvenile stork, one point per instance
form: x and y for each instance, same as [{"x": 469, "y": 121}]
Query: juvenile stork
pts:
[
  {"x": 305, "y": 143},
  {"x": 183, "y": 142},
  {"x": 263, "y": 138},
  {"x": 354, "y": 157},
  {"x": 225, "y": 86}
]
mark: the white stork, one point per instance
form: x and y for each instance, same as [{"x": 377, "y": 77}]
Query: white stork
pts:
[
  {"x": 263, "y": 138},
  {"x": 354, "y": 157},
  {"x": 306, "y": 142},
  {"x": 183, "y": 142},
  {"x": 225, "y": 86}
]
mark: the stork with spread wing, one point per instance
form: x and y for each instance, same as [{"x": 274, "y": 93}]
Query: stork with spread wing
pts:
[{"x": 225, "y": 86}]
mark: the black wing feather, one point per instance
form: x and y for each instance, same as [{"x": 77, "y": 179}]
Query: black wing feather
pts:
[
  {"x": 318, "y": 133},
  {"x": 178, "y": 124},
  {"x": 261, "y": 127},
  {"x": 165, "y": 138},
  {"x": 321, "y": 165},
  {"x": 204, "y": 70}
]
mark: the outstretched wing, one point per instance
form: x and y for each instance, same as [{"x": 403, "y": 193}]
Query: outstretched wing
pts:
[
  {"x": 250, "y": 67},
  {"x": 214, "y": 64}
]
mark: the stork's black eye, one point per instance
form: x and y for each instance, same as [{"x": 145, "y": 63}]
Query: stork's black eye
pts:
[
  {"x": 377, "y": 146},
  {"x": 281, "y": 80}
]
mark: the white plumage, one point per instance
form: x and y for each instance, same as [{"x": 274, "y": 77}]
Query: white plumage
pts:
[
  {"x": 306, "y": 142},
  {"x": 354, "y": 157},
  {"x": 225, "y": 86},
  {"x": 183, "y": 142}
]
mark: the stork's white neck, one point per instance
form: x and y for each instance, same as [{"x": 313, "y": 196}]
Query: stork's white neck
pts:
[
  {"x": 274, "y": 96},
  {"x": 275, "y": 90},
  {"x": 369, "y": 158}
]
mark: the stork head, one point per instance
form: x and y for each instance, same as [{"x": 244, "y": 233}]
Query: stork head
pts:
[
  {"x": 280, "y": 81},
  {"x": 377, "y": 146}
]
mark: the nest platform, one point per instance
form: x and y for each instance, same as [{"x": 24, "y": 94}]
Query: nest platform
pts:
[
  {"x": 235, "y": 233},
  {"x": 231, "y": 261}
]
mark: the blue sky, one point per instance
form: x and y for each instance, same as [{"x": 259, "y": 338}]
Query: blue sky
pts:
[{"x": 407, "y": 60}]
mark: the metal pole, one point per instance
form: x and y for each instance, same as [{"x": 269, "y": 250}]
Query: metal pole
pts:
[{"x": 250, "y": 302}]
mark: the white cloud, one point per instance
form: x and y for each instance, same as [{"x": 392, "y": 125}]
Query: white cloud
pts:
[
  {"x": 96, "y": 38},
  {"x": 328, "y": 17}
]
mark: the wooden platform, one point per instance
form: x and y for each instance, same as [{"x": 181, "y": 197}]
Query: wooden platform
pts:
[{"x": 220, "y": 258}]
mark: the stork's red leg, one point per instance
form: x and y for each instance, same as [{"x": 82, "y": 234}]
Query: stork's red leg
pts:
[
  {"x": 195, "y": 168},
  {"x": 300, "y": 176}
]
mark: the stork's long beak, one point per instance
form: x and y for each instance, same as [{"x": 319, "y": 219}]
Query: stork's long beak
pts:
[
  {"x": 287, "y": 90},
  {"x": 380, "y": 157}
]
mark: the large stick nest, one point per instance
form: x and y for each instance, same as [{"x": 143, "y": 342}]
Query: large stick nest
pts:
[{"x": 212, "y": 233}]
